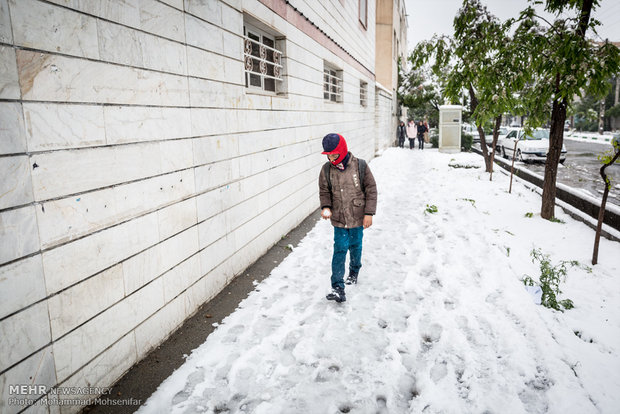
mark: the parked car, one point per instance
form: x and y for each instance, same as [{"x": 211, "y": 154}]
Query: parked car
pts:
[
  {"x": 501, "y": 134},
  {"x": 532, "y": 147},
  {"x": 471, "y": 130}
]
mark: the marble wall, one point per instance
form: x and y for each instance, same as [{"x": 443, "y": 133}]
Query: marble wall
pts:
[{"x": 140, "y": 175}]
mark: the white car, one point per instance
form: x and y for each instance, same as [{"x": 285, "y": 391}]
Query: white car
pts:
[
  {"x": 501, "y": 134},
  {"x": 533, "y": 147}
]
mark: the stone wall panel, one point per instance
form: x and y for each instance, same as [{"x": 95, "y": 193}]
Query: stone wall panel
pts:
[
  {"x": 103, "y": 370},
  {"x": 178, "y": 248},
  {"x": 58, "y": 126},
  {"x": 176, "y": 218},
  {"x": 157, "y": 328},
  {"x": 21, "y": 284},
  {"x": 48, "y": 77},
  {"x": 16, "y": 184},
  {"x": 9, "y": 83},
  {"x": 6, "y": 34},
  {"x": 82, "y": 345},
  {"x": 67, "y": 172},
  {"x": 126, "y": 12},
  {"x": 76, "y": 305},
  {"x": 71, "y": 263},
  {"x": 43, "y": 26},
  {"x": 181, "y": 277},
  {"x": 37, "y": 369},
  {"x": 161, "y": 19},
  {"x": 140, "y": 269},
  {"x": 12, "y": 131},
  {"x": 68, "y": 218},
  {"x": 18, "y": 233},
  {"x": 125, "y": 124},
  {"x": 23, "y": 334}
]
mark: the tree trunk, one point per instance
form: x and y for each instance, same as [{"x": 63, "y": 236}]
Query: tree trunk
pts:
[
  {"x": 601, "y": 212},
  {"x": 617, "y": 97},
  {"x": 556, "y": 139},
  {"x": 498, "y": 122},
  {"x": 556, "y": 134},
  {"x": 473, "y": 103}
]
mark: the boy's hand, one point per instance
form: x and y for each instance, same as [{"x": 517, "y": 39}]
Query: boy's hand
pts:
[
  {"x": 367, "y": 221},
  {"x": 326, "y": 213}
]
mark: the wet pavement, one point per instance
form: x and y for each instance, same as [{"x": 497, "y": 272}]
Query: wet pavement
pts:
[{"x": 581, "y": 170}]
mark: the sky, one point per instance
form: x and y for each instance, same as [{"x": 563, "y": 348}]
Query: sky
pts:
[
  {"x": 426, "y": 17},
  {"x": 440, "y": 320}
]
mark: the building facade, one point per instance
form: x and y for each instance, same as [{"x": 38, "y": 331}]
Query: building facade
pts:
[
  {"x": 150, "y": 150},
  {"x": 391, "y": 46}
]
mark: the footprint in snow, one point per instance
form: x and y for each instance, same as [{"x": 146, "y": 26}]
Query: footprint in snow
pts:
[
  {"x": 194, "y": 379},
  {"x": 430, "y": 335},
  {"x": 439, "y": 371}
]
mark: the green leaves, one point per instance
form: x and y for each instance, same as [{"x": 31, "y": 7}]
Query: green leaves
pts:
[
  {"x": 550, "y": 278},
  {"x": 564, "y": 63}
]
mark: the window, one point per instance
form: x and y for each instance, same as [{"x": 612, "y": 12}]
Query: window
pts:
[
  {"x": 263, "y": 61},
  {"x": 332, "y": 84},
  {"x": 363, "y": 15},
  {"x": 363, "y": 93}
]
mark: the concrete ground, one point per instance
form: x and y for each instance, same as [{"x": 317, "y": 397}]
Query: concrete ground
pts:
[{"x": 144, "y": 377}]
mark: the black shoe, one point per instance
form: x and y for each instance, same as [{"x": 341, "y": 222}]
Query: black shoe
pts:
[
  {"x": 336, "y": 294},
  {"x": 351, "y": 279}
]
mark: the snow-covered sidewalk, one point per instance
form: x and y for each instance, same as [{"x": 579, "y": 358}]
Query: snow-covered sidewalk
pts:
[{"x": 440, "y": 321}]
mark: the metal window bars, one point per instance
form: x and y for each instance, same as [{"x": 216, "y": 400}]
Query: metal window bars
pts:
[
  {"x": 363, "y": 93},
  {"x": 332, "y": 86},
  {"x": 264, "y": 64}
]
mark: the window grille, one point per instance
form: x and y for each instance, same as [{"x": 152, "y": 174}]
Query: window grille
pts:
[
  {"x": 263, "y": 62},
  {"x": 332, "y": 85},
  {"x": 363, "y": 93}
]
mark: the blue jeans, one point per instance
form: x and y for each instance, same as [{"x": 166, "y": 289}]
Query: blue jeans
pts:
[{"x": 346, "y": 240}]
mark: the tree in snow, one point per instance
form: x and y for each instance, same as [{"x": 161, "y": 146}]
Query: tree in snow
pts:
[
  {"x": 563, "y": 64},
  {"x": 419, "y": 93},
  {"x": 607, "y": 159},
  {"x": 475, "y": 60}
]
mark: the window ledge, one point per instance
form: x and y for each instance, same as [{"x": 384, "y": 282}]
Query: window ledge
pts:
[{"x": 266, "y": 93}]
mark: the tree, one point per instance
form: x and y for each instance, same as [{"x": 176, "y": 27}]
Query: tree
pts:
[
  {"x": 563, "y": 64},
  {"x": 475, "y": 60},
  {"x": 587, "y": 111},
  {"x": 419, "y": 94},
  {"x": 607, "y": 159}
]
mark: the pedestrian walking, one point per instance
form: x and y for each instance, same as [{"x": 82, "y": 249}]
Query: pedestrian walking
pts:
[
  {"x": 348, "y": 196},
  {"x": 412, "y": 132},
  {"x": 427, "y": 138},
  {"x": 421, "y": 130},
  {"x": 401, "y": 134}
]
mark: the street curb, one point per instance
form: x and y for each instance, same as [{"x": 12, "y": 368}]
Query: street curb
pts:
[
  {"x": 612, "y": 219},
  {"x": 145, "y": 377}
]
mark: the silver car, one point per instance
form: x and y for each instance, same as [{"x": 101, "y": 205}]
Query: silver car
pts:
[{"x": 529, "y": 148}]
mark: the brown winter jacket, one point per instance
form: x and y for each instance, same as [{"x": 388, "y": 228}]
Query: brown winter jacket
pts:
[{"x": 347, "y": 201}]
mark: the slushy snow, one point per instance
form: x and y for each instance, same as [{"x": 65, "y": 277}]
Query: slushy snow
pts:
[{"x": 440, "y": 321}]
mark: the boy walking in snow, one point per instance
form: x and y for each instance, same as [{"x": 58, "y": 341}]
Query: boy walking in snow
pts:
[{"x": 348, "y": 195}]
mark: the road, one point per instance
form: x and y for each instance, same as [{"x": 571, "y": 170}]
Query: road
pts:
[{"x": 582, "y": 169}]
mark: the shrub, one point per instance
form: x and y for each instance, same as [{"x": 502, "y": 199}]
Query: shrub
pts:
[
  {"x": 466, "y": 141},
  {"x": 550, "y": 279}
]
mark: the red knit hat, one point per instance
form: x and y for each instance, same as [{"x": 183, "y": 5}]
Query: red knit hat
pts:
[{"x": 335, "y": 144}]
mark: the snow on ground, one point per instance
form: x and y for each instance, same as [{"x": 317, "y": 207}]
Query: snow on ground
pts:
[{"x": 440, "y": 321}]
